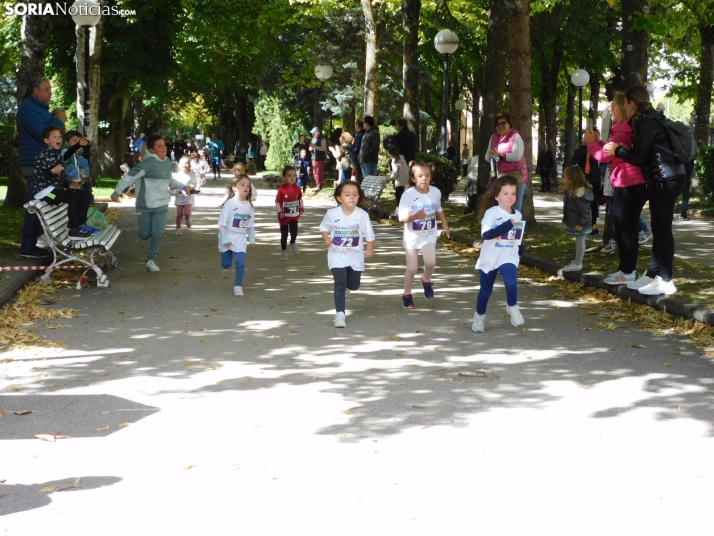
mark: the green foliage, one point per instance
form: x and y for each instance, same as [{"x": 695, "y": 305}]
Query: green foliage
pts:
[
  {"x": 7, "y": 134},
  {"x": 276, "y": 125},
  {"x": 445, "y": 175},
  {"x": 704, "y": 166}
]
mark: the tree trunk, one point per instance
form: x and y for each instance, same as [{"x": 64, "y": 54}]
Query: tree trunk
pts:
[
  {"x": 634, "y": 45},
  {"x": 35, "y": 31},
  {"x": 704, "y": 94},
  {"x": 549, "y": 94},
  {"x": 594, "y": 96},
  {"x": 370, "y": 67},
  {"x": 476, "y": 89},
  {"x": 521, "y": 94},
  {"x": 494, "y": 83},
  {"x": 410, "y": 62},
  {"x": 95, "y": 53},
  {"x": 569, "y": 126}
]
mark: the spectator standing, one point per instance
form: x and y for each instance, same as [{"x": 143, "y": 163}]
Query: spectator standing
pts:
[
  {"x": 465, "y": 159},
  {"x": 318, "y": 147},
  {"x": 263, "y": 153},
  {"x": 359, "y": 133},
  {"x": 507, "y": 145},
  {"x": 405, "y": 140},
  {"x": 369, "y": 148},
  {"x": 544, "y": 167},
  {"x": 217, "y": 150},
  {"x": 180, "y": 147},
  {"x": 33, "y": 116},
  {"x": 138, "y": 142}
]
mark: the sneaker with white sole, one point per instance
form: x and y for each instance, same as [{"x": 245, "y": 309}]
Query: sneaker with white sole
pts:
[
  {"x": 284, "y": 255},
  {"x": 619, "y": 278},
  {"x": 516, "y": 316},
  {"x": 339, "y": 321},
  {"x": 609, "y": 247},
  {"x": 151, "y": 266},
  {"x": 641, "y": 282},
  {"x": 295, "y": 248},
  {"x": 643, "y": 236},
  {"x": 659, "y": 287},
  {"x": 572, "y": 267},
  {"x": 479, "y": 325},
  {"x": 238, "y": 291},
  {"x": 178, "y": 232}
]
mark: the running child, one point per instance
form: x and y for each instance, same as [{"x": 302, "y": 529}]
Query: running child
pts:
[
  {"x": 419, "y": 207},
  {"x": 236, "y": 228},
  {"x": 200, "y": 167},
  {"x": 185, "y": 199},
  {"x": 577, "y": 217},
  {"x": 238, "y": 170},
  {"x": 288, "y": 205},
  {"x": 305, "y": 170},
  {"x": 344, "y": 229},
  {"x": 498, "y": 217}
]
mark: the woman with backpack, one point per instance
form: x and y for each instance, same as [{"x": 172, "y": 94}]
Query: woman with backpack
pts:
[{"x": 665, "y": 177}]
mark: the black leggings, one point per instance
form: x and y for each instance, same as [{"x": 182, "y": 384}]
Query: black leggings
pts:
[
  {"x": 345, "y": 278},
  {"x": 628, "y": 202},
  {"x": 662, "y": 197},
  {"x": 77, "y": 200},
  {"x": 293, "y": 226}
]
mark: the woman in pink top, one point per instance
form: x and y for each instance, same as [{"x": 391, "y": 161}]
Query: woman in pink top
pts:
[
  {"x": 507, "y": 145},
  {"x": 629, "y": 196}
]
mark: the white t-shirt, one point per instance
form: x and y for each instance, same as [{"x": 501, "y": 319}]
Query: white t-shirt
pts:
[
  {"x": 420, "y": 232},
  {"x": 238, "y": 217},
  {"x": 190, "y": 180},
  {"x": 493, "y": 253},
  {"x": 348, "y": 234}
]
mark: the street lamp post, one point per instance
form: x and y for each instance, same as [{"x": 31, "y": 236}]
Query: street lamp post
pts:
[
  {"x": 86, "y": 14},
  {"x": 579, "y": 78},
  {"x": 323, "y": 72},
  {"x": 446, "y": 42}
]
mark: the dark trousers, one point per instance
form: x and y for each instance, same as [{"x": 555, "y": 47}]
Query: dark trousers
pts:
[
  {"x": 545, "y": 181},
  {"x": 31, "y": 227},
  {"x": 662, "y": 197},
  {"x": 292, "y": 226},
  {"x": 398, "y": 192},
  {"x": 509, "y": 273},
  {"x": 358, "y": 173},
  {"x": 627, "y": 207},
  {"x": 77, "y": 200},
  {"x": 595, "y": 205},
  {"x": 345, "y": 278}
]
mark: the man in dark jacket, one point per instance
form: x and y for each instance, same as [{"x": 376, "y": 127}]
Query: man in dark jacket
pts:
[
  {"x": 544, "y": 167},
  {"x": 591, "y": 169},
  {"x": 369, "y": 149},
  {"x": 33, "y": 116},
  {"x": 405, "y": 140},
  {"x": 359, "y": 132}
]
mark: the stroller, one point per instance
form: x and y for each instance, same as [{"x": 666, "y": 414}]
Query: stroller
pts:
[{"x": 471, "y": 185}]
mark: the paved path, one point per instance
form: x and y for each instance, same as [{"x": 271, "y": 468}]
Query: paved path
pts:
[{"x": 256, "y": 416}]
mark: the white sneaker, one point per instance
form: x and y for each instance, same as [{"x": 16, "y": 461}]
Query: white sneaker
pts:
[
  {"x": 619, "y": 278},
  {"x": 295, "y": 248},
  {"x": 151, "y": 266},
  {"x": 516, "y": 316},
  {"x": 479, "y": 323},
  {"x": 340, "y": 320},
  {"x": 284, "y": 255},
  {"x": 178, "y": 232},
  {"x": 572, "y": 267},
  {"x": 609, "y": 247},
  {"x": 641, "y": 282},
  {"x": 643, "y": 236},
  {"x": 659, "y": 287},
  {"x": 238, "y": 290}
]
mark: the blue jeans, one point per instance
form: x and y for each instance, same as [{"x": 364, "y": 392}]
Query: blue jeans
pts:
[
  {"x": 368, "y": 169},
  {"x": 227, "y": 260},
  {"x": 519, "y": 199},
  {"x": 31, "y": 227},
  {"x": 509, "y": 273}
]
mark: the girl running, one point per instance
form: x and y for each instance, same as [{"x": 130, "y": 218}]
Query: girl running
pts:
[
  {"x": 419, "y": 207},
  {"x": 236, "y": 228},
  {"x": 288, "y": 205},
  {"x": 498, "y": 217},
  {"x": 344, "y": 229},
  {"x": 184, "y": 198}
]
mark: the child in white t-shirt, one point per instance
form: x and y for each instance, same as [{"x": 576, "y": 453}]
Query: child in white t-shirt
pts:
[
  {"x": 184, "y": 197},
  {"x": 344, "y": 230},
  {"x": 419, "y": 207},
  {"x": 236, "y": 226},
  {"x": 498, "y": 217}
]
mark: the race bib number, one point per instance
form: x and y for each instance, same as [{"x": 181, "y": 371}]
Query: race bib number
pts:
[
  {"x": 240, "y": 222},
  {"x": 291, "y": 209},
  {"x": 514, "y": 236},
  {"x": 424, "y": 226},
  {"x": 345, "y": 242}
]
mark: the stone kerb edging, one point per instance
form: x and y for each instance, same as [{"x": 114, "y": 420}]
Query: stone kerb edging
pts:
[{"x": 678, "y": 307}]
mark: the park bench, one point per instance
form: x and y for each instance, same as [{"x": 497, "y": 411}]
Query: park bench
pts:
[
  {"x": 67, "y": 251},
  {"x": 373, "y": 186}
]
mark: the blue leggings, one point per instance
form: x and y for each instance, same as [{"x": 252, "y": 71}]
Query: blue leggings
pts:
[
  {"x": 509, "y": 273},
  {"x": 227, "y": 260}
]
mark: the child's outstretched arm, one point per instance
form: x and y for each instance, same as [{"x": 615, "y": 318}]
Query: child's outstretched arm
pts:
[
  {"x": 498, "y": 231},
  {"x": 369, "y": 250},
  {"x": 444, "y": 223},
  {"x": 326, "y": 239}
]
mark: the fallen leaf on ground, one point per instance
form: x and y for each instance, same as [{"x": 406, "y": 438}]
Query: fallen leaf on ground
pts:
[
  {"x": 188, "y": 467},
  {"x": 103, "y": 429},
  {"x": 48, "y": 489},
  {"x": 400, "y": 354},
  {"x": 2, "y": 413},
  {"x": 70, "y": 486},
  {"x": 635, "y": 345},
  {"x": 187, "y": 362},
  {"x": 206, "y": 341},
  {"x": 23, "y": 412},
  {"x": 13, "y": 388},
  {"x": 46, "y": 437},
  {"x": 394, "y": 338},
  {"x": 123, "y": 425},
  {"x": 666, "y": 364}
]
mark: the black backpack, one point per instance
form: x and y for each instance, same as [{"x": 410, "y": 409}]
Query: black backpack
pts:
[{"x": 681, "y": 140}]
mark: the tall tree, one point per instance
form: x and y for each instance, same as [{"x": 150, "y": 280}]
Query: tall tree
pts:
[
  {"x": 370, "y": 68},
  {"x": 410, "y": 69},
  {"x": 702, "y": 108},
  {"x": 635, "y": 43}
]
